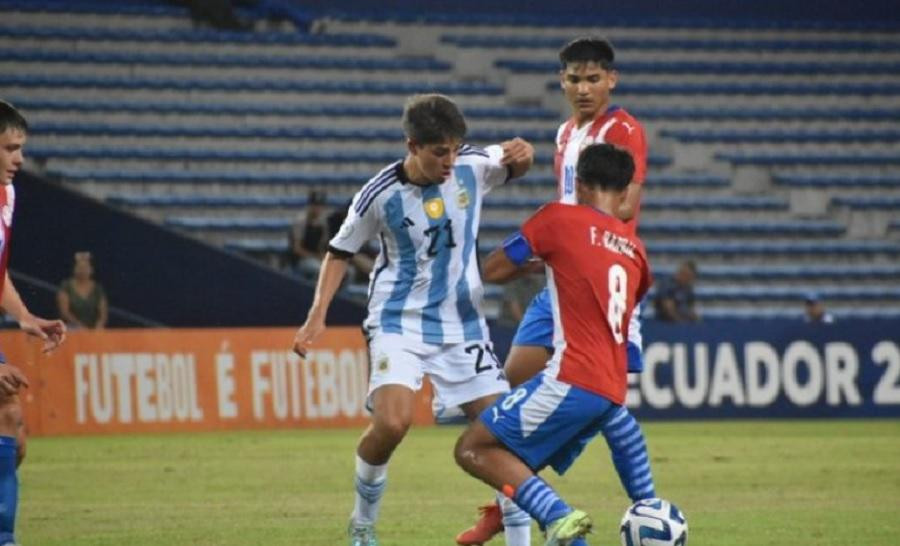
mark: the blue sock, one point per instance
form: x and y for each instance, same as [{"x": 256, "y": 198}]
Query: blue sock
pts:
[
  {"x": 541, "y": 501},
  {"x": 579, "y": 542},
  {"x": 629, "y": 454},
  {"x": 9, "y": 489}
]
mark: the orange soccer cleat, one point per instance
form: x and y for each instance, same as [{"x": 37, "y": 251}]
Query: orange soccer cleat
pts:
[{"x": 488, "y": 525}]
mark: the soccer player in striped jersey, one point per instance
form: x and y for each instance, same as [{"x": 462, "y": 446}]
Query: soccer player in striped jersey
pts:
[
  {"x": 597, "y": 271},
  {"x": 587, "y": 78},
  {"x": 13, "y": 134},
  {"x": 425, "y": 294}
]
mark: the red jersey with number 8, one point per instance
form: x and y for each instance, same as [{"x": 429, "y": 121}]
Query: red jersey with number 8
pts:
[{"x": 597, "y": 271}]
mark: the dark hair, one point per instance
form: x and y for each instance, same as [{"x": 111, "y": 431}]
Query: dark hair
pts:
[
  {"x": 587, "y": 49},
  {"x": 432, "y": 119},
  {"x": 605, "y": 167},
  {"x": 10, "y": 118},
  {"x": 690, "y": 264}
]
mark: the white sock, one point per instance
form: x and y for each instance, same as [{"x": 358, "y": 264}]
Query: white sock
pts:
[
  {"x": 516, "y": 522},
  {"x": 370, "y": 482}
]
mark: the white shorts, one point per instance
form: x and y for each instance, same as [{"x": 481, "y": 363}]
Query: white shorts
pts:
[{"x": 459, "y": 372}]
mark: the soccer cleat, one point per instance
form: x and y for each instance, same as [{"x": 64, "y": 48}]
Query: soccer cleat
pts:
[
  {"x": 488, "y": 525},
  {"x": 562, "y": 531},
  {"x": 362, "y": 535}
]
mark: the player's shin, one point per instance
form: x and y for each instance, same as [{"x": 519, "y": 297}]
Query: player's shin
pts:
[
  {"x": 9, "y": 489},
  {"x": 370, "y": 484},
  {"x": 516, "y": 522},
  {"x": 629, "y": 454}
]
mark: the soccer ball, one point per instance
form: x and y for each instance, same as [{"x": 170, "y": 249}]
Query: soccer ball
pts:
[{"x": 653, "y": 522}]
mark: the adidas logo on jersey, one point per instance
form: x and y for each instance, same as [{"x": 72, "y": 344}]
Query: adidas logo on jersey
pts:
[{"x": 407, "y": 222}]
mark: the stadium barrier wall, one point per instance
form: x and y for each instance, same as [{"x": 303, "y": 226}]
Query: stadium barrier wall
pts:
[{"x": 155, "y": 380}]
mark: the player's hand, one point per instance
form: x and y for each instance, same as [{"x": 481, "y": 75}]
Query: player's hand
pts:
[
  {"x": 51, "y": 332},
  {"x": 517, "y": 150},
  {"x": 307, "y": 334},
  {"x": 11, "y": 379}
]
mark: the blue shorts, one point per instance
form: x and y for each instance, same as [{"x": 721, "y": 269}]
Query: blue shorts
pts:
[
  {"x": 536, "y": 330},
  {"x": 547, "y": 422}
]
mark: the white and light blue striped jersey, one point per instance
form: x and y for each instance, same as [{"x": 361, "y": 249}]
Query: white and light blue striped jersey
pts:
[{"x": 426, "y": 281}]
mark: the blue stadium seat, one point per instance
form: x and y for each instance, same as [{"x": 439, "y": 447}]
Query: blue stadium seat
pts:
[
  {"x": 871, "y": 202},
  {"x": 217, "y": 201},
  {"x": 197, "y": 36},
  {"x": 818, "y": 180},
  {"x": 782, "y": 135},
  {"x": 756, "y": 248},
  {"x": 793, "y": 293},
  {"x": 780, "y": 228},
  {"x": 843, "y": 158},
  {"x": 716, "y": 67},
  {"x": 105, "y": 8},
  {"x": 523, "y": 18},
  {"x": 229, "y": 224},
  {"x": 670, "y": 44},
  {"x": 202, "y": 154},
  {"x": 762, "y": 113},
  {"x": 766, "y": 272},
  {"x": 268, "y": 108},
  {"x": 218, "y": 60},
  {"x": 754, "y": 89},
  {"x": 204, "y": 84},
  {"x": 268, "y": 132},
  {"x": 756, "y": 313}
]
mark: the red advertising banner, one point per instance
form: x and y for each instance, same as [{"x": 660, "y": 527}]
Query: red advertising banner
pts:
[{"x": 156, "y": 380}]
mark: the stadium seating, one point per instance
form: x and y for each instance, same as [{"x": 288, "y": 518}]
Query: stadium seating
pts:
[{"x": 221, "y": 135}]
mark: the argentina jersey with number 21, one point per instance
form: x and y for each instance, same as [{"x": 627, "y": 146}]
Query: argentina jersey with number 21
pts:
[{"x": 425, "y": 282}]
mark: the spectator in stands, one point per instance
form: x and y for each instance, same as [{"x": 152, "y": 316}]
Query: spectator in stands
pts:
[
  {"x": 675, "y": 296},
  {"x": 308, "y": 237},
  {"x": 81, "y": 300},
  {"x": 815, "y": 310},
  {"x": 218, "y": 14}
]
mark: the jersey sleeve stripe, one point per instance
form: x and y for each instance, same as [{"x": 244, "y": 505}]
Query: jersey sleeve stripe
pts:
[{"x": 366, "y": 201}]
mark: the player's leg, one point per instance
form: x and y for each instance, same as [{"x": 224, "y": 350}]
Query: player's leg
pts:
[
  {"x": 468, "y": 376},
  {"x": 10, "y": 429},
  {"x": 523, "y": 431},
  {"x": 629, "y": 454},
  {"x": 395, "y": 375},
  {"x": 531, "y": 348},
  {"x": 533, "y": 342}
]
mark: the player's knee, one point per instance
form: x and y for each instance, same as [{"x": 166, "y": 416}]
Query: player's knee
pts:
[
  {"x": 393, "y": 428},
  {"x": 466, "y": 450}
]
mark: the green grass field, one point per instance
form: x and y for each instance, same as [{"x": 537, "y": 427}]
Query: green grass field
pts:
[{"x": 740, "y": 483}]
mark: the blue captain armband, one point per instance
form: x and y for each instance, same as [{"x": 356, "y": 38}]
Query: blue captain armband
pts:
[{"x": 517, "y": 249}]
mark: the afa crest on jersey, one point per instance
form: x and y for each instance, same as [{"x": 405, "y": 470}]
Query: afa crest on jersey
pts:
[
  {"x": 434, "y": 208},
  {"x": 462, "y": 197}
]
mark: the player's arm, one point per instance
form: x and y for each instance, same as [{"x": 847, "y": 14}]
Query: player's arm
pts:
[
  {"x": 334, "y": 267},
  {"x": 630, "y": 203},
  {"x": 52, "y": 332},
  {"x": 518, "y": 156},
  {"x": 360, "y": 225},
  {"x": 630, "y": 136}
]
